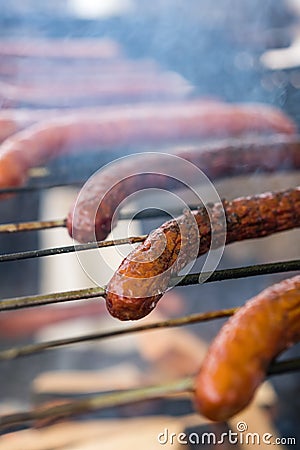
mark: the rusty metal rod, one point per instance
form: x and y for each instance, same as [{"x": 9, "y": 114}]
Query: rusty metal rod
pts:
[{"x": 190, "y": 279}]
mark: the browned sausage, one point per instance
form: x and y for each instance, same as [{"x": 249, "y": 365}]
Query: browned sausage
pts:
[
  {"x": 139, "y": 124},
  {"x": 144, "y": 275},
  {"x": 223, "y": 159},
  {"x": 238, "y": 358}
]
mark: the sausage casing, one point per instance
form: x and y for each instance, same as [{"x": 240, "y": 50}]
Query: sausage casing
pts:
[
  {"x": 91, "y": 217},
  {"x": 238, "y": 358}
]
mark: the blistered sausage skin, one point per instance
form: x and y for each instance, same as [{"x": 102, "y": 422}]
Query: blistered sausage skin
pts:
[
  {"x": 238, "y": 358},
  {"x": 143, "y": 276},
  {"x": 140, "y": 124},
  {"x": 217, "y": 160}
]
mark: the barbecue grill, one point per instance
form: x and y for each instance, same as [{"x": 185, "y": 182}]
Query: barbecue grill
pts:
[{"x": 244, "y": 271}]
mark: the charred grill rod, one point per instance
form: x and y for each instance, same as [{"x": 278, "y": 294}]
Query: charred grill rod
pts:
[
  {"x": 102, "y": 401},
  {"x": 190, "y": 279}
]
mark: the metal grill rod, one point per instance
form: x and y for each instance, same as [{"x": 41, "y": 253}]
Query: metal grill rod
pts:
[
  {"x": 103, "y": 401},
  {"x": 39, "y": 187},
  {"x": 190, "y": 279}
]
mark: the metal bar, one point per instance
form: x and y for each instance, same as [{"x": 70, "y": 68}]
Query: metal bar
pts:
[
  {"x": 98, "y": 402},
  {"x": 282, "y": 367},
  {"x": 69, "y": 249},
  {"x": 31, "y": 349},
  {"x": 190, "y": 279},
  {"x": 238, "y": 272},
  {"x": 32, "y": 226},
  {"x": 118, "y": 398},
  {"x": 35, "y": 225}
]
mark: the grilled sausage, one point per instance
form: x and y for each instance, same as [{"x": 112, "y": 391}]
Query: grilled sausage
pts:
[
  {"x": 150, "y": 124},
  {"x": 26, "y": 323},
  {"x": 144, "y": 274},
  {"x": 226, "y": 158},
  {"x": 14, "y": 120},
  {"x": 238, "y": 358}
]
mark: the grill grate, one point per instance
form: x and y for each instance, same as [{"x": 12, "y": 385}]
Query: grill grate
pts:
[{"x": 104, "y": 400}]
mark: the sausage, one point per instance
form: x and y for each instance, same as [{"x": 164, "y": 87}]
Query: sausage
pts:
[
  {"x": 22, "y": 324},
  {"x": 237, "y": 360},
  {"x": 100, "y": 90},
  {"x": 60, "y": 48},
  {"x": 226, "y": 158},
  {"x": 135, "y": 125},
  {"x": 144, "y": 275}
]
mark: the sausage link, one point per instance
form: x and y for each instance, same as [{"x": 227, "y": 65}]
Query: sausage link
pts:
[
  {"x": 238, "y": 358},
  {"x": 101, "y": 90},
  {"x": 144, "y": 274},
  {"x": 216, "y": 160},
  {"x": 139, "y": 124},
  {"x": 60, "y": 48}
]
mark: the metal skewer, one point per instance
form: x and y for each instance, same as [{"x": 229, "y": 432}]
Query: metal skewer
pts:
[
  {"x": 31, "y": 226},
  {"x": 35, "y": 225},
  {"x": 190, "y": 279},
  {"x": 69, "y": 249}
]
